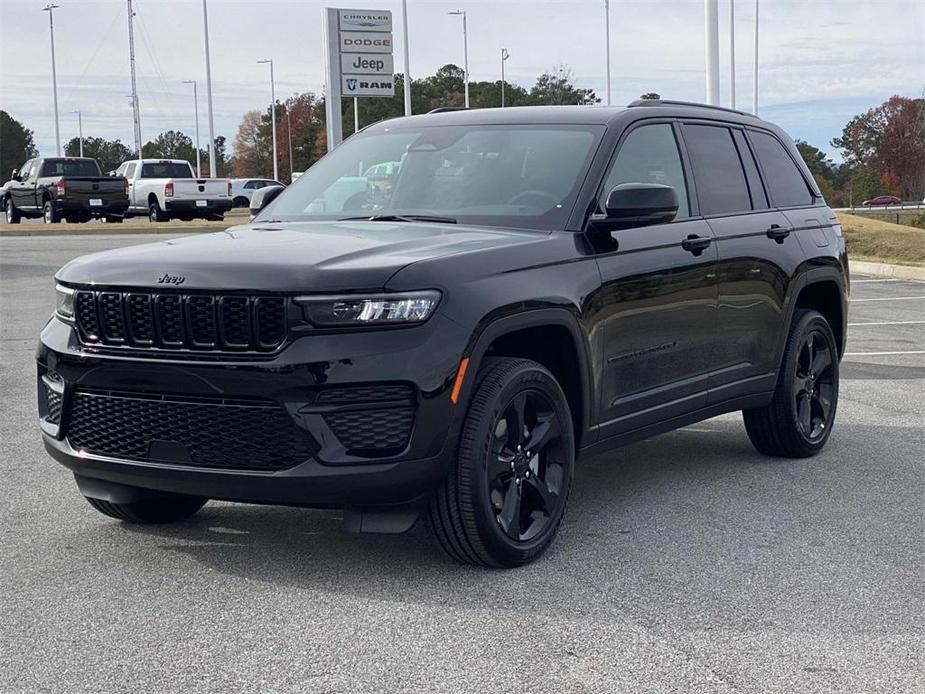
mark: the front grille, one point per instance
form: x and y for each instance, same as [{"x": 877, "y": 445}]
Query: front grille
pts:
[
  {"x": 211, "y": 433},
  {"x": 369, "y": 420},
  {"x": 165, "y": 321}
]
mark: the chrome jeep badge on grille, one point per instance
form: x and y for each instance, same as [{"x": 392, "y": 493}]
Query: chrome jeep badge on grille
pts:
[{"x": 171, "y": 279}]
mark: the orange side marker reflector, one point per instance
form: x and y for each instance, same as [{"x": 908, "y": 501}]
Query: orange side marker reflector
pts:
[{"x": 460, "y": 377}]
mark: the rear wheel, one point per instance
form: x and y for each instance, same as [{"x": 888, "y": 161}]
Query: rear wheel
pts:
[
  {"x": 49, "y": 213},
  {"x": 158, "y": 508},
  {"x": 798, "y": 421},
  {"x": 156, "y": 214},
  {"x": 241, "y": 201},
  {"x": 502, "y": 504},
  {"x": 12, "y": 214}
]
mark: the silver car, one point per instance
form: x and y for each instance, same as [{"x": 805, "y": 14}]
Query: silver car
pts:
[{"x": 243, "y": 188}]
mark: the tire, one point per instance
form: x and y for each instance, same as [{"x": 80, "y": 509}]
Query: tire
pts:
[
  {"x": 160, "y": 508},
  {"x": 12, "y": 214},
  {"x": 241, "y": 201},
  {"x": 799, "y": 419},
  {"x": 156, "y": 214},
  {"x": 478, "y": 512},
  {"x": 49, "y": 213}
]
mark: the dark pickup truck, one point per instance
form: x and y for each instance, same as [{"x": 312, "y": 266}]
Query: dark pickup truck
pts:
[{"x": 70, "y": 188}]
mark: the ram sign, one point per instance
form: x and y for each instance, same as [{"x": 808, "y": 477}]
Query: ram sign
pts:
[{"x": 368, "y": 85}]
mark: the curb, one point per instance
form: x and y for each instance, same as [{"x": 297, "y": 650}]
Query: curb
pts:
[
  {"x": 905, "y": 272},
  {"x": 102, "y": 231}
]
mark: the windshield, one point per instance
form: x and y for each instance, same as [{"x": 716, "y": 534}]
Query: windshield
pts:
[
  {"x": 511, "y": 175},
  {"x": 167, "y": 169},
  {"x": 70, "y": 167}
]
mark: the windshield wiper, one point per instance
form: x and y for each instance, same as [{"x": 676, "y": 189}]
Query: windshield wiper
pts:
[{"x": 401, "y": 218}]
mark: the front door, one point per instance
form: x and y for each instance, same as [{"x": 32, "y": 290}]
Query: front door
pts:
[{"x": 657, "y": 304}]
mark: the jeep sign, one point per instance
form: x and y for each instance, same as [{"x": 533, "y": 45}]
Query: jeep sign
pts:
[{"x": 366, "y": 64}]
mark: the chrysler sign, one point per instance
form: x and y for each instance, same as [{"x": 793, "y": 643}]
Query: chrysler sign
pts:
[
  {"x": 365, "y": 20},
  {"x": 364, "y": 53}
]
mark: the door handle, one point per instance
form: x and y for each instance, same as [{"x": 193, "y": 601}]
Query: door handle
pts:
[
  {"x": 778, "y": 233},
  {"x": 696, "y": 244}
]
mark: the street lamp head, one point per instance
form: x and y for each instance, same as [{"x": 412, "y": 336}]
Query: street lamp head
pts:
[
  {"x": 264, "y": 61},
  {"x": 458, "y": 12},
  {"x": 50, "y": 7},
  {"x": 188, "y": 82},
  {"x": 504, "y": 54}
]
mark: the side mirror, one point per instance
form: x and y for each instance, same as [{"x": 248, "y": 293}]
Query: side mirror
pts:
[
  {"x": 263, "y": 197},
  {"x": 640, "y": 204},
  {"x": 15, "y": 175}
]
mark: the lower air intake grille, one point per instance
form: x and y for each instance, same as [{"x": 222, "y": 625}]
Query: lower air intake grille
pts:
[
  {"x": 372, "y": 430},
  {"x": 204, "y": 433},
  {"x": 53, "y": 398}
]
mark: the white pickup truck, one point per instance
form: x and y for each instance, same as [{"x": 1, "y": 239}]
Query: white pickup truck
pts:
[{"x": 165, "y": 189}]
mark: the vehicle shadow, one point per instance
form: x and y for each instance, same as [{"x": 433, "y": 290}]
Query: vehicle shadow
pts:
[{"x": 666, "y": 529}]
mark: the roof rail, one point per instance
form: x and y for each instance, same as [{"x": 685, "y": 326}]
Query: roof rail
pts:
[
  {"x": 666, "y": 102},
  {"x": 447, "y": 109}
]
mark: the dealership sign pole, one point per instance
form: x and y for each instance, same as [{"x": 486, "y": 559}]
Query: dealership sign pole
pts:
[{"x": 359, "y": 61}]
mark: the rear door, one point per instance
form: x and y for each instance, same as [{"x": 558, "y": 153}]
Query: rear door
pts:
[
  {"x": 22, "y": 192},
  {"x": 656, "y": 307},
  {"x": 757, "y": 256}
]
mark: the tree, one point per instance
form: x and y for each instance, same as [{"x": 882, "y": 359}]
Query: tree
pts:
[
  {"x": 889, "y": 140},
  {"x": 16, "y": 144},
  {"x": 815, "y": 159},
  {"x": 172, "y": 144},
  {"x": 109, "y": 154},
  {"x": 557, "y": 88},
  {"x": 252, "y": 148}
]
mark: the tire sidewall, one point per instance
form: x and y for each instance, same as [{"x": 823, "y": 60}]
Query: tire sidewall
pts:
[
  {"x": 527, "y": 377},
  {"x": 811, "y": 321},
  {"x": 48, "y": 212},
  {"x": 154, "y": 214}
]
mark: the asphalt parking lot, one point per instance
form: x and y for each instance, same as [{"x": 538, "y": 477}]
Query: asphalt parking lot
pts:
[{"x": 686, "y": 563}]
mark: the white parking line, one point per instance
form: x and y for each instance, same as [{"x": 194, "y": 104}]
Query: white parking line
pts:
[
  {"x": 892, "y": 279},
  {"x": 882, "y": 354},
  {"x": 887, "y": 298},
  {"x": 889, "y": 322}
]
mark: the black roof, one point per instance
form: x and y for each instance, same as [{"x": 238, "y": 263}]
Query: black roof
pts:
[{"x": 578, "y": 115}]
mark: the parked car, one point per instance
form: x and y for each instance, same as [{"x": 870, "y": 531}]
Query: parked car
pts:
[
  {"x": 70, "y": 188},
  {"x": 165, "y": 189},
  {"x": 882, "y": 200},
  {"x": 242, "y": 189},
  {"x": 541, "y": 284}
]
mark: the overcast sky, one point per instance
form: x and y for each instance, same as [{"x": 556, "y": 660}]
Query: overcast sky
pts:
[{"x": 821, "y": 61}]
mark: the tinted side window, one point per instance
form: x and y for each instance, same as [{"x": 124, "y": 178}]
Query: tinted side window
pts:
[
  {"x": 649, "y": 154},
  {"x": 755, "y": 188},
  {"x": 130, "y": 171},
  {"x": 783, "y": 178},
  {"x": 721, "y": 185}
]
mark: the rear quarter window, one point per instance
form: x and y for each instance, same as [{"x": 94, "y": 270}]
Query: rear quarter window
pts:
[{"x": 781, "y": 176}]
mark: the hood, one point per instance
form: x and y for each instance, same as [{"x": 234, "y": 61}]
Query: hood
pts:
[{"x": 300, "y": 256}]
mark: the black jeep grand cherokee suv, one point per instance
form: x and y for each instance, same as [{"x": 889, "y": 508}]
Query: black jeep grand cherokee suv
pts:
[{"x": 520, "y": 287}]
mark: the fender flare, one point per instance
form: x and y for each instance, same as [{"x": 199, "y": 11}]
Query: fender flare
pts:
[
  {"x": 484, "y": 336},
  {"x": 817, "y": 275}
]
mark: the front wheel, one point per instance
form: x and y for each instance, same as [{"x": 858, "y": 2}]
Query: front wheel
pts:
[
  {"x": 798, "y": 421},
  {"x": 502, "y": 504},
  {"x": 158, "y": 508}
]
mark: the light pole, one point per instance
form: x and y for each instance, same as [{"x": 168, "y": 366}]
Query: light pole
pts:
[
  {"x": 732, "y": 53},
  {"x": 607, "y": 39},
  {"x": 289, "y": 130},
  {"x": 755, "y": 85},
  {"x": 711, "y": 33},
  {"x": 407, "y": 85},
  {"x": 272, "y": 115},
  {"x": 504, "y": 56},
  {"x": 462, "y": 13},
  {"x": 54, "y": 76},
  {"x": 196, "y": 115},
  {"x": 80, "y": 132},
  {"x": 205, "y": 23},
  {"x": 136, "y": 115}
]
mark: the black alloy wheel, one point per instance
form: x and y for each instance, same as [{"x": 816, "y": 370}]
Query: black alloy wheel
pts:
[
  {"x": 502, "y": 503},
  {"x": 798, "y": 421},
  {"x": 814, "y": 386},
  {"x": 525, "y": 475}
]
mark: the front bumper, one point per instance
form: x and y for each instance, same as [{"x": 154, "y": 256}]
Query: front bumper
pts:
[
  {"x": 190, "y": 207},
  {"x": 423, "y": 358}
]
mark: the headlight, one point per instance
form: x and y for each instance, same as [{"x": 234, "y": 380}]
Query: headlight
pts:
[
  {"x": 378, "y": 309},
  {"x": 64, "y": 302}
]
